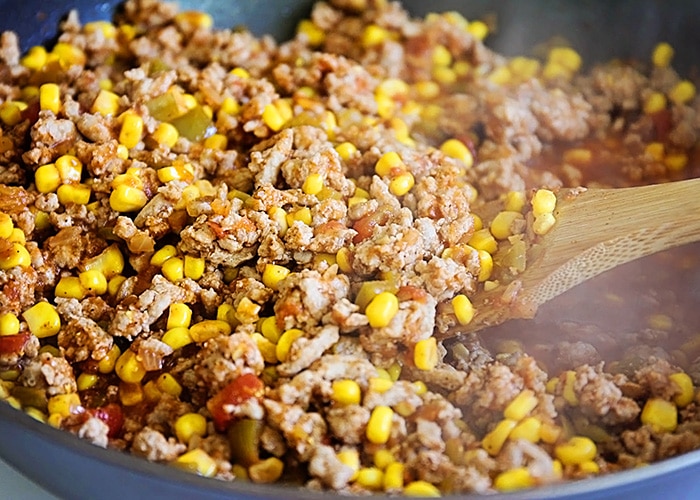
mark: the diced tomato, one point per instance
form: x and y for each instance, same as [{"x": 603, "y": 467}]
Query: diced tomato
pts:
[
  {"x": 13, "y": 344},
  {"x": 112, "y": 415},
  {"x": 240, "y": 390},
  {"x": 410, "y": 292}
]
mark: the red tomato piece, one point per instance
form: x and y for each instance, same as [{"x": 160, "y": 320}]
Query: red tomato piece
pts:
[
  {"x": 13, "y": 344},
  {"x": 236, "y": 392},
  {"x": 112, "y": 415}
]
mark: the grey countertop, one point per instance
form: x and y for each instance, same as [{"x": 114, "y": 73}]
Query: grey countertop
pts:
[{"x": 16, "y": 487}]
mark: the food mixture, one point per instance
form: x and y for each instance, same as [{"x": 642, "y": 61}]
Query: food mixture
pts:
[{"x": 242, "y": 257}]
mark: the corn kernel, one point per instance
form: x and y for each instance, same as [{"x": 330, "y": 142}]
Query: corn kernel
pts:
[
  {"x": 9, "y": 324},
  {"x": 313, "y": 184},
  {"x": 169, "y": 385},
  {"x": 543, "y": 223},
  {"x": 351, "y": 458},
  {"x": 382, "y": 309},
  {"x": 654, "y": 103},
  {"x": 485, "y": 265},
  {"x": 194, "y": 267},
  {"x": 589, "y": 467},
  {"x": 676, "y": 161},
  {"x": 478, "y": 29},
  {"x": 388, "y": 163},
  {"x": 569, "y": 392},
  {"x": 127, "y": 199},
  {"x": 272, "y": 117},
  {"x": 68, "y": 54},
  {"x": 179, "y": 315},
  {"x": 50, "y": 97},
  {"x": 514, "y": 479},
  {"x": 35, "y": 58},
  {"x": 106, "y": 103},
  {"x": 163, "y": 254},
  {"x": 190, "y": 424},
  {"x": 662, "y": 55},
  {"x": 346, "y": 150},
  {"x": 683, "y": 397},
  {"x": 483, "y": 240},
  {"x": 36, "y": 414},
  {"x": 566, "y": 57},
  {"x": 577, "y": 450},
  {"x": 173, "y": 269},
  {"x": 315, "y": 36},
  {"x": 373, "y": 35},
  {"x": 303, "y": 214},
  {"x": 421, "y": 488},
  {"x": 655, "y": 150},
  {"x": 47, "y": 178},
  {"x": 10, "y": 113},
  {"x": 189, "y": 20},
  {"x": 230, "y": 106},
  {"x": 106, "y": 365},
  {"x": 528, "y": 429},
  {"x": 504, "y": 223},
  {"x": 273, "y": 275},
  {"x": 521, "y": 406},
  {"x": 544, "y": 201},
  {"x": 209, "y": 329},
  {"x": 198, "y": 461},
  {"x": 425, "y": 354},
  {"x": 660, "y": 415},
  {"x": 346, "y": 392},
  {"x": 285, "y": 342},
  {"x": 128, "y": 368},
  {"x": 86, "y": 381},
  {"x": 501, "y": 75},
  {"x": 494, "y": 440},
  {"x": 131, "y": 131},
  {"x": 78, "y": 194},
  {"x": 166, "y": 134},
  {"x": 379, "y": 425},
  {"x": 401, "y": 184},
  {"x": 64, "y": 404},
  {"x": 370, "y": 477},
  {"x": 393, "y": 476},
  {"x": 445, "y": 76},
  {"x": 177, "y": 337},
  {"x": 42, "y": 319},
  {"x": 441, "y": 56},
  {"x": 383, "y": 458}
]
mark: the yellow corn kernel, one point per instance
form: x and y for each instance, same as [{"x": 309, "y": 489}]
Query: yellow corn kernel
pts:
[
  {"x": 313, "y": 184},
  {"x": 285, "y": 342},
  {"x": 494, "y": 440},
  {"x": 47, "y": 178},
  {"x": 64, "y": 404},
  {"x": 521, "y": 405},
  {"x": 163, "y": 254},
  {"x": 551, "y": 385},
  {"x": 660, "y": 415},
  {"x": 115, "y": 284},
  {"x": 35, "y": 58},
  {"x": 425, "y": 354},
  {"x": 189, "y": 101},
  {"x": 198, "y": 461},
  {"x": 193, "y": 19},
  {"x": 478, "y": 29},
  {"x": 303, "y": 215},
  {"x": 344, "y": 260},
  {"x": 503, "y": 224},
  {"x": 106, "y": 365},
  {"x": 515, "y": 201},
  {"x": 524, "y": 67},
  {"x": 173, "y": 269},
  {"x": 42, "y": 319},
  {"x": 194, "y": 267},
  {"x": 216, "y": 141},
  {"x": 370, "y": 477},
  {"x": 36, "y": 414},
  {"x": 578, "y": 156},
  {"x": 543, "y": 224},
  {"x": 267, "y": 349},
  {"x": 50, "y": 97},
  {"x": 351, "y": 458},
  {"x": 270, "y": 330},
  {"x": 379, "y": 425},
  {"x": 483, "y": 240},
  {"x": 373, "y": 35},
  {"x": 130, "y": 394},
  {"x": 177, "y": 337},
  {"x": 589, "y": 467},
  {"x": 190, "y": 424},
  {"x": 441, "y": 56},
  {"x": 543, "y": 201},
  {"x": 528, "y": 429},
  {"x": 122, "y": 152},
  {"x": 501, "y": 75},
  {"x": 86, "y": 381},
  {"x": 485, "y": 265},
  {"x": 169, "y": 385},
  {"x": 388, "y": 163},
  {"x": 69, "y": 168},
  {"x": 127, "y": 199},
  {"x": 106, "y": 103},
  {"x": 208, "y": 329},
  {"x": 131, "y": 130},
  {"x": 315, "y": 36},
  {"x": 421, "y": 488},
  {"x": 68, "y": 54},
  {"x": 93, "y": 281},
  {"x": 393, "y": 476},
  {"x": 682, "y": 398},
  {"x": 268, "y": 470},
  {"x": 346, "y": 150},
  {"x": 385, "y": 105},
  {"x": 394, "y": 371},
  {"x": 514, "y": 479},
  {"x": 401, "y": 184},
  {"x": 272, "y": 117},
  {"x": 10, "y": 113},
  {"x": 569, "y": 392},
  {"x": 576, "y": 450},
  {"x": 78, "y": 194},
  {"x": 427, "y": 89},
  {"x": 445, "y": 76},
  {"x": 226, "y": 312},
  {"x": 662, "y": 54},
  {"x": 273, "y": 275},
  {"x": 17, "y": 255},
  {"x": 230, "y": 106},
  {"x": 382, "y": 309},
  {"x": 6, "y": 225},
  {"x": 346, "y": 392},
  {"x": 553, "y": 71},
  {"x": 9, "y": 324},
  {"x": 179, "y": 315},
  {"x": 566, "y": 57},
  {"x": 654, "y": 103},
  {"x": 110, "y": 262},
  {"x": 128, "y": 368},
  {"x": 108, "y": 29},
  {"x": 165, "y": 134},
  {"x": 550, "y": 433},
  {"x": 676, "y": 161},
  {"x": 383, "y": 458},
  {"x": 17, "y": 236}
]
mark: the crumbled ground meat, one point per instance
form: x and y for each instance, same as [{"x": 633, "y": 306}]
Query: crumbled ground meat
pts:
[{"x": 227, "y": 264}]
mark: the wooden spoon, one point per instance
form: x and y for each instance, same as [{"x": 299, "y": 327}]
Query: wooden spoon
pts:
[{"x": 595, "y": 230}]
